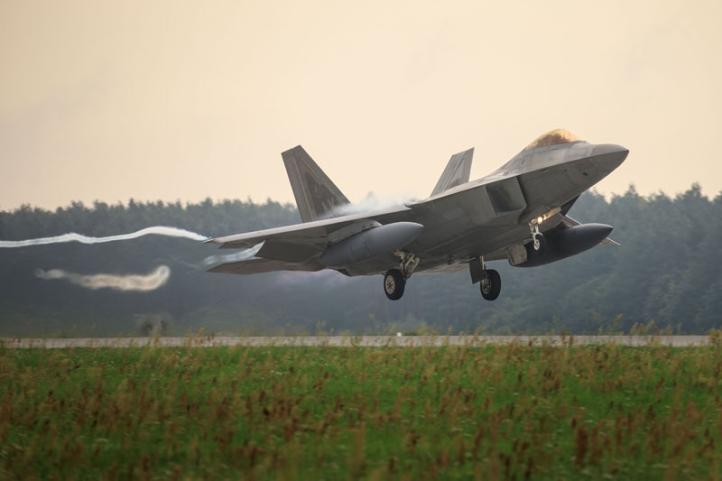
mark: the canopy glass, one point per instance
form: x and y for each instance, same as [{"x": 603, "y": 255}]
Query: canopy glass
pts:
[{"x": 554, "y": 137}]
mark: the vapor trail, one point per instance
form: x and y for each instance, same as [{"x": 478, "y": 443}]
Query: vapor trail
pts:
[
  {"x": 371, "y": 203},
  {"x": 73, "y": 237},
  {"x": 243, "y": 255},
  {"x": 131, "y": 282}
]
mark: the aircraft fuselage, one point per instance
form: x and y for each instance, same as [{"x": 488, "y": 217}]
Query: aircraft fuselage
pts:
[
  {"x": 517, "y": 213},
  {"x": 478, "y": 218}
]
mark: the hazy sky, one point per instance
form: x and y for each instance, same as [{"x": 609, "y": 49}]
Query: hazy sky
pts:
[{"x": 182, "y": 100}]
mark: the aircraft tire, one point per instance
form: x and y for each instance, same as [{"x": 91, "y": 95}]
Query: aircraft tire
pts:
[
  {"x": 490, "y": 285},
  {"x": 394, "y": 284}
]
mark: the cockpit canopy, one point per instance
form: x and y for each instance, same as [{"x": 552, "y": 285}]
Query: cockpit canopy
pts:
[{"x": 553, "y": 137}]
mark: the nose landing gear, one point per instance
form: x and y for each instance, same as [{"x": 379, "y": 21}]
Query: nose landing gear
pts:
[{"x": 536, "y": 236}]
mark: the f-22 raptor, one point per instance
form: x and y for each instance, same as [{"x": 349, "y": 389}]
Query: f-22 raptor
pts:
[{"x": 517, "y": 213}]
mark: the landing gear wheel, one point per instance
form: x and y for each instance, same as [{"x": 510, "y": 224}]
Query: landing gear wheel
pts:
[
  {"x": 490, "y": 284},
  {"x": 394, "y": 283}
]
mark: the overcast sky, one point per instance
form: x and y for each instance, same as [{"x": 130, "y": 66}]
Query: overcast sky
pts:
[{"x": 170, "y": 100}]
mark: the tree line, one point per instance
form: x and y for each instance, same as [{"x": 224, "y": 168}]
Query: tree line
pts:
[{"x": 666, "y": 273}]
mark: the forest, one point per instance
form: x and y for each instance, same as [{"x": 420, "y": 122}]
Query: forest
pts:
[{"x": 666, "y": 275}]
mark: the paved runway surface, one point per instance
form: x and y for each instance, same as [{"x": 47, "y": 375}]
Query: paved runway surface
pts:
[{"x": 349, "y": 341}]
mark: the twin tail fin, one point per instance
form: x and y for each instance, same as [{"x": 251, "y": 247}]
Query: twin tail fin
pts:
[
  {"x": 316, "y": 195},
  {"x": 456, "y": 172}
]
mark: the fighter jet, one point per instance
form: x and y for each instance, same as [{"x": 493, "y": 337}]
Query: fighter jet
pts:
[{"x": 517, "y": 213}]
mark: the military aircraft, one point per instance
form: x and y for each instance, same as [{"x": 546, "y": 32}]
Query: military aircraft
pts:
[{"x": 518, "y": 213}]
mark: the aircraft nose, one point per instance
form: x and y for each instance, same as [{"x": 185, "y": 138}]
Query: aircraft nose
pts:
[
  {"x": 601, "y": 149},
  {"x": 598, "y": 164},
  {"x": 610, "y": 155}
]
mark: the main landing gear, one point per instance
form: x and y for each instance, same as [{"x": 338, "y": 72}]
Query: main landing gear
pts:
[
  {"x": 490, "y": 284},
  {"x": 489, "y": 280},
  {"x": 394, "y": 284},
  {"x": 395, "y": 279}
]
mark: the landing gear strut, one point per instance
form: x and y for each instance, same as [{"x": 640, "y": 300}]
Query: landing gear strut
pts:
[
  {"x": 395, "y": 279},
  {"x": 489, "y": 280},
  {"x": 409, "y": 262},
  {"x": 536, "y": 236}
]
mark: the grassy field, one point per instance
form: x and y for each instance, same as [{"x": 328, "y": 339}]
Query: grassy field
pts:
[{"x": 497, "y": 412}]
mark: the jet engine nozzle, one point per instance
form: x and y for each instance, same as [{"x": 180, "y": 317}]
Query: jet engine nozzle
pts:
[
  {"x": 565, "y": 242},
  {"x": 377, "y": 241}
]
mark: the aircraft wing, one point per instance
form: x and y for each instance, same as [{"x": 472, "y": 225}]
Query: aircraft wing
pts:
[
  {"x": 258, "y": 265},
  {"x": 294, "y": 247},
  {"x": 307, "y": 233}
]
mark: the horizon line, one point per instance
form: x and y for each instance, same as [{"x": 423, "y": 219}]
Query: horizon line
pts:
[{"x": 695, "y": 186}]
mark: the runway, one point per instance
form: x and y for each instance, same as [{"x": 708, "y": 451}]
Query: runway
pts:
[{"x": 351, "y": 341}]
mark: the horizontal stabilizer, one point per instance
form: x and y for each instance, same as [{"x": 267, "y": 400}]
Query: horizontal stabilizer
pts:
[
  {"x": 456, "y": 172},
  {"x": 316, "y": 195},
  {"x": 317, "y": 233}
]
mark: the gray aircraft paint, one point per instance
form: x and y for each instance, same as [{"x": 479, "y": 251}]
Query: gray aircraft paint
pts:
[
  {"x": 456, "y": 172},
  {"x": 370, "y": 243},
  {"x": 564, "y": 243},
  {"x": 316, "y": 195},
  {"x": 485, "y": 218}
]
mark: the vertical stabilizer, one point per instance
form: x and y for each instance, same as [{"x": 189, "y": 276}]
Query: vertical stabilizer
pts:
[
  {"x": 316, "y": 195},
  {"x": 456, "y": 172}
]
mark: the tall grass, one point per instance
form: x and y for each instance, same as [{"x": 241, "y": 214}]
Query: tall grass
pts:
[{"x": 497, "y": 412}]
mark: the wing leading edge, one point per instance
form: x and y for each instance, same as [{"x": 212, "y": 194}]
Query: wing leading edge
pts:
[{"x": 295, "y": 247}]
